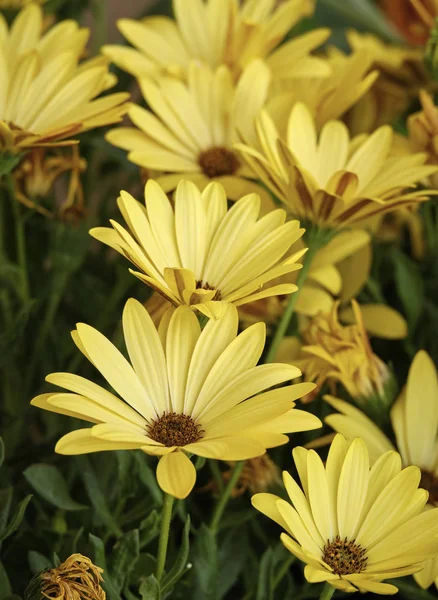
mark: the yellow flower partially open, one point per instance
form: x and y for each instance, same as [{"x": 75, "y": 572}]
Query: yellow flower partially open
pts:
[
  {"x": 328, "y": 179},
  {"x": 216, "y": 32},
  {"x": 201, "y": 254},
  {"x": 191, "y": 131},
  {"x": 187, "y": 392},
  {"x": 45, "y": 95},
  {"x": 353, "y": 526}
]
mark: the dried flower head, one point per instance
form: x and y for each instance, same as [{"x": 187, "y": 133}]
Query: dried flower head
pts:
[{"x": 77, "y": 578}]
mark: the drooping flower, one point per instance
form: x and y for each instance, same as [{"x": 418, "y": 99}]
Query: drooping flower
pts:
[
  {"x": 46, "y": 96},
  {"x": 217, "y": 32},
  {"x": 332, "y": 353},
  {"x": 414, "y": 419},
  {"x": 201, "y": 254},
  {"x": 35, "y": 177},
  {"x": 353, "y": 526},
  {"x": 192, "y": 132},
  {"x": 330, "y": 180},
  {"x": 401, "y": 74},
  {"x": 423, "y": 131},
  {"x": 413, "y": 18},
  {"x": 187, "y": 392},
  {"x": 77, "y": 578},
  {"x": 349, "y": 78}
]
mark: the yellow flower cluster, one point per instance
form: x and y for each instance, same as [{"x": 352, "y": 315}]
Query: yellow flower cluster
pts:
[{"x": 274, "y": 164}]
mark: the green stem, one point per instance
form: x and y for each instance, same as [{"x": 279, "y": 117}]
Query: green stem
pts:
[
  {"x": 283, "y": 570},
  {"x": 217, "y": 474},
  {"x": 223, "y": 501},
  {"x": 20, "y": 239},
  {"x": 100, "y": 9},
  {"x": 287, "y": 315},
  {"x": 166, "y": 516},
  {"x": 327, "y": 592}
]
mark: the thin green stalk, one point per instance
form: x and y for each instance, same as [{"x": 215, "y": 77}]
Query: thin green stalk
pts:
[
  {"x": 166, "y": 516},
  {"x": 283, "y": 570},
  {"x": 223, "y": 501},
  {"x": 100, "y": 10},
  {"x": 217, "y": 474},
  {"x": 19, "y": 239},
  {"x": 287, "y": 315},
  {"x": 327, "y": 592}
]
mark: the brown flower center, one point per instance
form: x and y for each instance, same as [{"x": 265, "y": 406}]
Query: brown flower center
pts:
[
  {"x": 200, "y": 285},
  {"x": 172, "y": 429},
  {"x": 429, "y": 482},
  {"x": 344, "y": 557},
  {"x": 218, "y": 161}
]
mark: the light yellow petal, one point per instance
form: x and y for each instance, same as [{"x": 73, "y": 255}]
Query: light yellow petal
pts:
[
  {"x": 352, "y": 490},
  {"x": 81, "y": 441},
  {"x": 380, "y": 320},
  {"x": 146, "y": 354},
  {"x": 176, "y": 474}
]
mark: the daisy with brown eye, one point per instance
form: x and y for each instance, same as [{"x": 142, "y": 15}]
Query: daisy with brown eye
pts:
[
  {"x": 184, "y": 391},
  {"x": 200, "y": 253},
  {"x": 352, "y": 525}
]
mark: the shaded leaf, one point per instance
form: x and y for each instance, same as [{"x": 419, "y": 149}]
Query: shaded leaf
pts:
[
  {"x": 265, "y": 583},
  {"x": 124, "y": 558},
  {"x": 5, "y": 505},
  {"x": 150, "y": 589},
  {"x": 97, "y": 498},
  {"x": 48, "y": 481},
  {"x": 410, "y": 287},
  {"x": 179, "y": 567},
  {"x": 149, "y": 528},
  {"x": 38, "y": 562},
  {"x": 5, "y": 586},
  {"x": 205, "y": 564},
  {"x": 99, "y": 559},
  {"x": 233, "y": 552},
  {"x": 15, "y": 522}
]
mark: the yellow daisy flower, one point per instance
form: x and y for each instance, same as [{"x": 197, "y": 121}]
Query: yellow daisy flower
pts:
[
  {"x": 349, "y": 78},
  {"x": 330, "y": 180},
  {"x": 401, "y": 74},
  {"x": 414, "y": 419},
  {"x": 354, "y": 526},
  {"x": 201, "y": 254},
  {"x": 423, "y": 131},
  {"x": 45, "y": 96},
  {"x": 17, "y": 4},
  {"x": 219, "y": 32},
  {"x": 332, "y": 353},
  {"x": 192, "y": 132},
  {"x": 187, "y": 392}
]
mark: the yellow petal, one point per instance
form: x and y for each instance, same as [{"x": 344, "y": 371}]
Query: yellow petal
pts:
[{"x": 176, "y": 474}]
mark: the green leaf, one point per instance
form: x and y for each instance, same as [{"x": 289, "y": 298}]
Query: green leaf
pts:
[
  {"x": 180, "y": 565},
  {"x": 233, "y": 553},
  {"x": 265, "y": 584},
  {"x": 15, "y": 522},
  {"x": 150, "y": 589},
  {"x": 124, "y": 558},
  {"x": 8, "y": 162},
  {"x": 99, "y": 559},
  {"x": 2, "y": 451},
  {"x": 147, "y": 477},
  {"x": 5, "y": 505},
  {"x": 48, "y": 481},
  {"x": 149, "y": 528},
  {"x": 38, "y": 562},
  {"x": 205, "y": 564},
  {"x": 410, "y": 287},
  {"x": 5, "y": 586},
  {"x": 97, "y": 498}
]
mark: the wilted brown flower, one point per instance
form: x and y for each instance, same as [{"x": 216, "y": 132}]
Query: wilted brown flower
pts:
[
  {"x": 35, "y": 177},
  {"x": 77, "y": 578}
]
